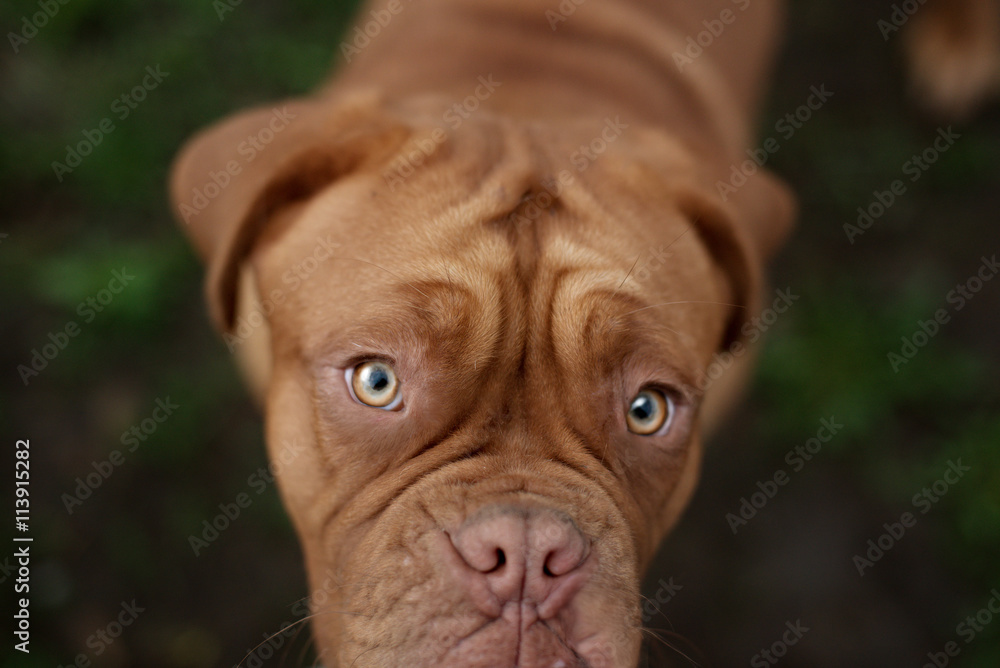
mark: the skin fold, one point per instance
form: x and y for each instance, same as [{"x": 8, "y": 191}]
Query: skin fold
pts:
[{"x": 526, "y": 263}]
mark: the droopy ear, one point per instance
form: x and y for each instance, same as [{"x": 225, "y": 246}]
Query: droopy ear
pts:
[
  {"x": 730, "y": 245},
  {"x": 741, "y": 230},
  {"x": 766, "y": 209},
  {"x": 743, "y": 233},
  {"x": 231, "y": 179}
]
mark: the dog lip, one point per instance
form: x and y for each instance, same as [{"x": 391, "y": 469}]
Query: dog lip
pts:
[
  {"x": 560, "y": 597},
  {"x": 478, "y": 629},
  {"x": 522, "y": 622}
]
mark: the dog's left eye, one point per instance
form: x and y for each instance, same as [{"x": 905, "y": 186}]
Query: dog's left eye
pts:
[
  {"x": 374, "y": 383},
  {"x": 650, "y": 412}
]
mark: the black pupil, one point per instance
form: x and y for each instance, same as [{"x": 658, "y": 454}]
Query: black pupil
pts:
[
  {"x": 642, "y": 407},
  {"x": 378, "y": 380}
]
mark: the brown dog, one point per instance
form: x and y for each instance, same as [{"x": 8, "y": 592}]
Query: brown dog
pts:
[{"x": 479, "y": 282}]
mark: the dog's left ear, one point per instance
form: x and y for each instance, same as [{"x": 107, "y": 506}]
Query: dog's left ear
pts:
[
  {"x": 742, "y": 233},
  {"x": 766, "y": 209},
  {"x": 230, "y": 181}
]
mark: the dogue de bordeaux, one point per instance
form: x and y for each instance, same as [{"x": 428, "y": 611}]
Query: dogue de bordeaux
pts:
[{"x": 481, "y": 282}]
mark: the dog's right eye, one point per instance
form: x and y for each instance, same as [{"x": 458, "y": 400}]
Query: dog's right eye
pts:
[
  {"x": 650, "y": 412},
  {"x": 374, "y": 383}
]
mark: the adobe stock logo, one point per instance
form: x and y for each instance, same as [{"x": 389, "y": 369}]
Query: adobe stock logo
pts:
[
  {"x": 915, "y": 168},
  {"x": 122, "y": 107},
  {"x": 363, "y": 35},
  {"x": 751, "y": 332},
  {"x": 61, "y": 338},
  {"x": 249, "y": 148},
  {"x": 958, "y": 296},
  {"x": 31, "y": 25},
  {"x": 779, "y": 648},
  {"x": 923, "y": 500},
  {"x": 229, "y": 512},
  {"x": 901, "y": 13},
  {"x": 132, "y": 437},
  {"x": 423, "y": 146},
  {"x": 786, "y": 127},
  {"x": 967, "y": 629},
  {"x": 100, "y": 640},
  {"x": 796, "y": 459},
  {"x": 566, "y": 9},
  {"x": 696, "y": 44},
  {"x": 292, "y": 279}
]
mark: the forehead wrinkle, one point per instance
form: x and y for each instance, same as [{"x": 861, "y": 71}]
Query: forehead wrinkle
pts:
[
  {"x": 420, "y": 309},
  {"x": 459, "y": 314},
  {"x": 597, "y": 325},
  {"x": 583, "y": 292},
  {"x": 513, "y": 168}
]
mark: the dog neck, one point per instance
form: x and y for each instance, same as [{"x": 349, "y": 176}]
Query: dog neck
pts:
[{"x": 652, "y": 63}]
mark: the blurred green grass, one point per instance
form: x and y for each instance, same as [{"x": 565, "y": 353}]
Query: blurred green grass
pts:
[{"x": 826, "y": 357}]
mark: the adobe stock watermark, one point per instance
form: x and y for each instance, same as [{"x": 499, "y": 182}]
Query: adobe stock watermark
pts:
[
  {"x": 540, "y": 201},
  {"x": 796, "y": 458},
  {"x": 915, "y": 167},
  {"x": 605, "y": 650},
  {"x": 229, "y": 512},
  {"x": 421, "y": 148},
  {"x": 751, "y": 331},
  {"x": 30, "y": 25},
  {"x": 967, "y": 629},
  {"x": 364, "y": 34},
  {"x": 785, "y": 127},
  {"x": 300, "y": 610},
  {"x": 60, "y": 339},
  {"x": 665, "y": 593},
  {"x": 900, "y": 14},
  {"x": 7, "y": 568},
  {"x": 271, "y": 643},
  {"x": 224, "y": 7},
  {"x": 552, "y": 187},
  {"x": 131, "y": 439},
  {"x": 248, "y": 149},
  {"x": 923, "y": 500},
  {"x": 655, "y": 259},
  {"x": 99, "y": 641},
  {"x": 587, "y": 153},
  {"x": 566, "y": 9},
  {"x": 292, "y": 279},
  {"x": 794, "y": 632},
  {"x": 666, "y": 589},
  {"x": 958, "y": 297},
  {"x": 121, "y": 107},
  {"x": 695, "y": 45}
]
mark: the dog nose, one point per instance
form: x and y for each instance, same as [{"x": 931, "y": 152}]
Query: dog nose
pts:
[{"x": 530, "y": 556}]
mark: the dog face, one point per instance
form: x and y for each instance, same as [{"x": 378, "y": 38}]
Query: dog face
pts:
[{"x": 483, "y": 418}]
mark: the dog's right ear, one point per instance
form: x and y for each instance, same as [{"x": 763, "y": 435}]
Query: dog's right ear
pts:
[
  {"x": 231, "y": 179},
  {"x": 953, "y": 55}
]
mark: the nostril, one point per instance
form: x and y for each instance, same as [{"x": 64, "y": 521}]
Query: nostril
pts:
[
  {"x": 501, "y": 560},
  {"x": 556, "y": 564},
  {"x": 564, "y": 558},
  {"x": 512, "y": 554}
]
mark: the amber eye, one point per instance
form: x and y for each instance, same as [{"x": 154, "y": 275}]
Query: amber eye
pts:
[
  {"x": 374, "y": 384},
  {"x": 649, "y": 412}
]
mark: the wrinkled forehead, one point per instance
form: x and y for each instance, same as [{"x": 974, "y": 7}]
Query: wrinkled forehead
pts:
[{"x": 365, "y": 267}]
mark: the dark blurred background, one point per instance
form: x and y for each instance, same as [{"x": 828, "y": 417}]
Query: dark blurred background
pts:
[{"x": 723, "y": 597}]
